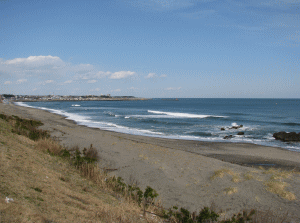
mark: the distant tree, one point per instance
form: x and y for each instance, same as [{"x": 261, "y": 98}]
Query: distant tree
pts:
[{"x": 8, "y": 95}]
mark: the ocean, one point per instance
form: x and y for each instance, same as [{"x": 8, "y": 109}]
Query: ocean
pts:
[{"x": 189, "y": 119}]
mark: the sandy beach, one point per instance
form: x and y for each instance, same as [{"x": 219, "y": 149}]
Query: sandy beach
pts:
[{"x": 188, "y": 173}]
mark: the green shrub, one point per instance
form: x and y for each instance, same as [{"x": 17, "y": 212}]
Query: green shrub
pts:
[
  {"x": 4, "y": 117},
  {"x": 90, "y": 154},
  {"x": 36, "y": 134},
  {"x": 65, "y": 153},
  {"x": 149, "y": 195},
  {"x": 206, "y": 214},
  {"x": 184, "y": 216},
  {"x": 27, "y": 127},
  {"x": 241, "y": 217}
]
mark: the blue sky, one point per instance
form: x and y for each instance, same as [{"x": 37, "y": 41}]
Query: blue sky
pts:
[{"x": 151, "y": 48}]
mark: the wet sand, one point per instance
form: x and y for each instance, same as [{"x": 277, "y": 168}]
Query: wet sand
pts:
[{"x": 181, "y": 171}]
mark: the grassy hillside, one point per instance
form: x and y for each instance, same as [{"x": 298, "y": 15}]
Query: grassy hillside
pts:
[{"x": 47, "y": 188}]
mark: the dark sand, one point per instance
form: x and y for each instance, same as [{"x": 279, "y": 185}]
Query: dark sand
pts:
[{"x": 180, "y": 170}]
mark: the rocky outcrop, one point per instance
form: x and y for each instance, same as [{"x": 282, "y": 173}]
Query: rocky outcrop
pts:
[
  {"x": 241, "y": 133},
  {"x": 228, "y": 137},
  {"x": 233, "y": 127},
  {"x": 287, "y": 136},
  {"x": 236, "y": 127}
]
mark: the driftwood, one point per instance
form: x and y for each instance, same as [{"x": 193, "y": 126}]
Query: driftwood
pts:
[{"x": 107, "y": 169}]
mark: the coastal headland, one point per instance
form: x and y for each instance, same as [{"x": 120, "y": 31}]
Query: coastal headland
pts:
[
  {"x": 36, "y": 98},
  {"x": 189, "y": 174}
]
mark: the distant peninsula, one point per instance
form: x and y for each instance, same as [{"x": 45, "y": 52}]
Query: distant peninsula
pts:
[{"x": 35, "y": 98}]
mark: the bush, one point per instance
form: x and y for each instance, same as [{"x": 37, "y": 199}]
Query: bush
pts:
[
  {"x": 149, "y": 195},
  {"x": 205, "y": 214},
  {"x": 26, "y": 127},
  {"x": 91, "y": 154},
  {"x": 50, "y": 146},
  {"x": 240, "y": 218},
  {"x": 88, "y": 156},
  {"x": 184, "y": 216},
  {"x": 4, "y": 117}
]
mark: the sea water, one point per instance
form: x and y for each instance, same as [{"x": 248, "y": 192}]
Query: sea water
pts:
[{"x": 190, "y": 119}]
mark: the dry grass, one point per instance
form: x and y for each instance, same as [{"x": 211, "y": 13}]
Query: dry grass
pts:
[
  {"x": 276, "y": 184},
  {"x": 278, "y": 187},
  {"x": 248, "y": 176},
  {"x": 278, "y": 174},
  {"x": 222, "y": 172},
  {"x": 48, "y": 189},
  {"x": 236, "y": 178},
  {"x": 252, "y": 175},
  {"x": 230, "y": 190},
  {"x": 48, "y": 145},
  {"x": 92, "y": 172}
]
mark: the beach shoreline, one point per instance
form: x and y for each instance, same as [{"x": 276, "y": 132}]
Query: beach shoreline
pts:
[{"x": 180, "y": 170}]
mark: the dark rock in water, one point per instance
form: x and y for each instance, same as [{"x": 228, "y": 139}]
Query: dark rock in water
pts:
[
  {"x": 222, "y": 129},
  {"x": 241, "y": 133},
  {"x": 287, "y": 137},
  {"x": 236, "y": 127},
  {"x": 228, "y": 137}
]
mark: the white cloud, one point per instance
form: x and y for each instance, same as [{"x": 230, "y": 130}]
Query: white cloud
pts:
[
  {"x": 7, "y": 82},
  {"x": 91, "y": 81},
  {"x": 151, "y": 75},
  {"x": 36, "y": 61},
  {"x": 122, "y": 74},
  {"x": 92, "y": 73},
  {"x": 102, "y": 74},
  {"x": 117, "y": 90},
  {"x": 20, "y": 81},
  {"x": 173, "y": 88},
  {"x": 38, "y": 66},
  {"x": 43, "y": 70},
  {"x": 84, "y": 70},
  {"x": 132, "y": 88}
]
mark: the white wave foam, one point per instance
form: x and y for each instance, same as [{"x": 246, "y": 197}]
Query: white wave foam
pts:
[
  {"x": 77, "y": 118},
  {"x": 76, "y": 105},
  {"x": 23, "y": 104},
  {"x": 148, "y": 116},
  {"x": 269, "y": 136},
  {"x": 119, "y": 128},
  {"x": 183, "y": 115}
]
